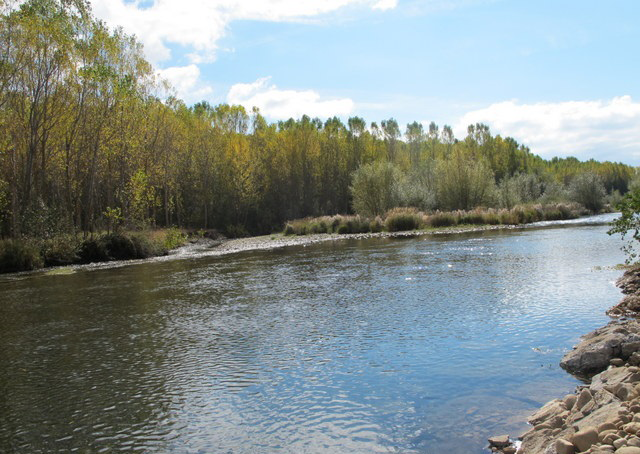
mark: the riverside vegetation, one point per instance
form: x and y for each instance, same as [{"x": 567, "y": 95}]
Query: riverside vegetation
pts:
[{"x": 92, "y": 141}]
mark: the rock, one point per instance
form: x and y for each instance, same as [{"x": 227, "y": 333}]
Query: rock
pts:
[
  {"x": 625, "y": 391},
  {"x": 564, "y": 447},
  {"x": 633, "y": 441},
  {"x": 585, "y": 438},
  {"x": 617, "y": 362},
  {"x": 584, "y": 397},
  {"x": 570, "y": 400},
  {"x": 628, "y": 450},
  {"x": 509, "y": 450},
  {"x": 606, "y": 426},
  {"x": 619, "y": 443},
  {"x": 632, "y": 427},
  {"x": 596, "y": 350},
  {"x": 551, "y": 409},
  {"x": 500, "y": 441}
]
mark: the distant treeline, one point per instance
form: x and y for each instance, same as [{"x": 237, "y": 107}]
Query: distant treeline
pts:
[{"x": 88, "y": 144}]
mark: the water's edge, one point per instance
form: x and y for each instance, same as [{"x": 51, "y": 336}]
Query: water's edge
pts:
[{"x": 212, "y": 248}]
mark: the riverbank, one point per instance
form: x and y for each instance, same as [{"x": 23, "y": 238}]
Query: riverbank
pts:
[
  {"x": 602, "y": 416},
  {"x": 210, "y": 245}
]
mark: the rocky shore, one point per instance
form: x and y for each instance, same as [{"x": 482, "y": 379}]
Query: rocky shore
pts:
[{"x": 602, "y": 416}]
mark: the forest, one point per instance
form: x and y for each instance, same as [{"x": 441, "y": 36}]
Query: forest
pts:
[{"x": 92, "y": 141}]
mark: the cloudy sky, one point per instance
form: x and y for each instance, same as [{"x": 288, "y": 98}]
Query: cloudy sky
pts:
[{"x": 562, "y": 77}]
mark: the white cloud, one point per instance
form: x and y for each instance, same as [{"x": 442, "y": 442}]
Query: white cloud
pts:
[
  {"x": 584, "y": 129},
  {"x": 199, "y": 24},
  {"x": 186, "y": 82},
  {"x": 283, "y": 104},
  {"x": 384, "y": 5}
]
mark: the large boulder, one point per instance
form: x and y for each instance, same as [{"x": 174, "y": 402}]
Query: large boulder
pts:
[{"x": 598, "y": 348}]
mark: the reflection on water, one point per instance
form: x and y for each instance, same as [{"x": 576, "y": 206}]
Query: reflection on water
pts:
[{"x": 425, "y": 345}]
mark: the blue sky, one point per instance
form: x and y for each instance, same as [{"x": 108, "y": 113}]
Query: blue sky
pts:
[{"x": 559, "y": 76}]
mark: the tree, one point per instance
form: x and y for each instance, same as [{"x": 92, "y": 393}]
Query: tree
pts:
[
  {"x": 375, "y": 188},
  {"x": 588, "y": 190},
  {"x": 629, "y": 221}
]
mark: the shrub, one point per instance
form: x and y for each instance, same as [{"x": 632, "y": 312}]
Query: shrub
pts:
[
  {"x": 588, "y": 190},
  {"x": 402, "y": 219},
  {"x": 236, "y": 231},
  {"x": 60, "y": 250},
  {"x": 375, "y": 188},
  {"x": 19, "y": 255},
  {"x": 464, "y": 183},
  {"x": 174, "y": 238},
  {"x": 118, "y": 246},
  {"x": 376, "y": 225},
  {"x": 442, "y": 219}
]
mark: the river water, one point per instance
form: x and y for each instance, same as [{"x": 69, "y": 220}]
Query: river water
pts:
[{"x": 425, "y": 345}]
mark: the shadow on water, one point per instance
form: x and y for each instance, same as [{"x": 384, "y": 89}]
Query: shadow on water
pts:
[{"x": 424, "y": 345}]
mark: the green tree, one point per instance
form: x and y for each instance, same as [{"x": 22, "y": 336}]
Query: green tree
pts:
[
  {"x": 587, "y": 189},
  {"x": 628, "y": 223},
  {"x": 375, "y": 188}
]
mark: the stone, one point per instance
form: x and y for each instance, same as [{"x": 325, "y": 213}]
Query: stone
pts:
[
  {"x": 602, "y": 434},
  {"x": 509, "y": 450},
  {"x": 617, "y": 362},
  {"x": 585, "y": 438},
  {"x": 570, "y": 400},
  {"x": 610, "y": 438},
  {"x": 564, "y": 447},
  {"x": 551, "y": 409},
  {"x": 594, "y": 353},
  {"x": 501, "y": 441},
  {"x": 628, "y": 450},
  {"x": 584, "y": 397},
  {"x": 633, "y": 441},
  {"x": 625, "y": 391},
  {"x": 606, "y": 426},
  {"x": 632, "y": 427},
  {"x": 619, "y": 443}
]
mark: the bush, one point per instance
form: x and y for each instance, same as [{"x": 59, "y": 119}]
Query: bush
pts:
[
  {"x": 376, "y": 225},
  {"x": 588, "y": 190},
  {"x": 174, "y": 238},
  {"x": 236, "y": 231},
  {"x": 464, "y": 183},
  {"x": 375, "y": 188},
  {"x": 60, "y": 250},
  {"x": 19, "y": 255},
  {"x": 402, "y": 219},
  {"x": 118, "y": 246},
  {"x": 442, "y": 219}
]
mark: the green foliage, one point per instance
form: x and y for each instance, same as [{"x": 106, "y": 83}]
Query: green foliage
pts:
[
  {"x": 118, "y": 246},
  {"x": 375, "y": 188},
  {"x": 587, "y": 189},
  {"x": 464, "y": 183},
  {"x": 113, "y": 217},
  {"x": 174, "y": 238},
  {"x": 19, "y": 255},
  {"x": 60, "y": 250},
  {"x": 518, "y": 189},
  {"x": 628, "y": 222},
  {"x": 99, "y": 149}
]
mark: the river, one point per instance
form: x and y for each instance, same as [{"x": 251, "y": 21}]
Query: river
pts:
[{"x": 425, "y": 345}]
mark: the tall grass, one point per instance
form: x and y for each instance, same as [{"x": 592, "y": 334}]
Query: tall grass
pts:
[{"x": 404, "y": 219}]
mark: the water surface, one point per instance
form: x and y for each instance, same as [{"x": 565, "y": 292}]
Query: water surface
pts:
[{"x": 425, "y": 345}]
